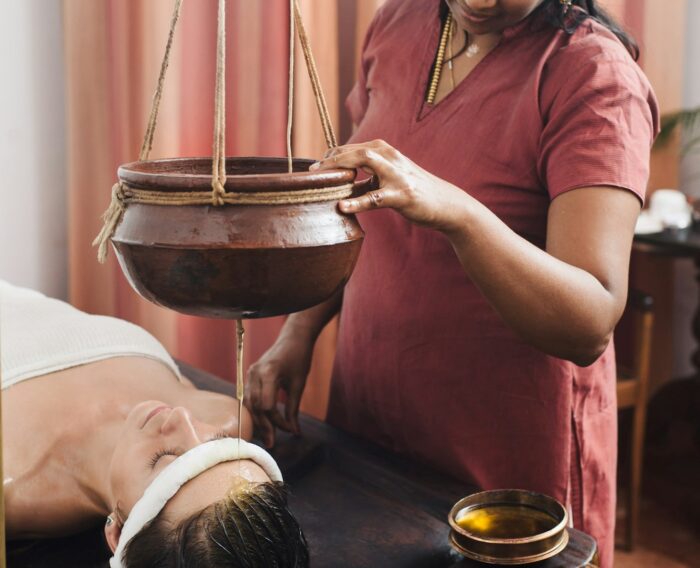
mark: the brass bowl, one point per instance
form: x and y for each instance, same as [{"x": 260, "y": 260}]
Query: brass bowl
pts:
[
  {"x": 508, "y": 526},
  {"x": 235, "y": 261}
]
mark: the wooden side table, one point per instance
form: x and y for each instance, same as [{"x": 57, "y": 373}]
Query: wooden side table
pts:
[{"x": 685, "y": 393}]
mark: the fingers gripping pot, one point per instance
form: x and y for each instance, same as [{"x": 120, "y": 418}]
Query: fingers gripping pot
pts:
[{"x": 277, "y": 245}]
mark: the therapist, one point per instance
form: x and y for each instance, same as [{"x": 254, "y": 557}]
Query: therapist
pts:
[{"x": 511, "y": 141}]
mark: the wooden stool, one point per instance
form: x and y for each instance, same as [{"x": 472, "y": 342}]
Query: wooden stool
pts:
[{"x": 632, "y": 387}]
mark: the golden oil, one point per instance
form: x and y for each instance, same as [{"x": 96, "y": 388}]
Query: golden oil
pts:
[
  {"x": 240, "y": 387},
  {"x": 505, "y": 521}
]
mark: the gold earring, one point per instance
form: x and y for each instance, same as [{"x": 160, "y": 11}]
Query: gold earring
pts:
[{"x": 566, "y": 4}]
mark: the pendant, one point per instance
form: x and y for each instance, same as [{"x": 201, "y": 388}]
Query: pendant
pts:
[{"x": 472, "y": 50}]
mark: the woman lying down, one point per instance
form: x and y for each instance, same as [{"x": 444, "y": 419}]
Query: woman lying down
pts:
[{"x": 100, "y": 427}]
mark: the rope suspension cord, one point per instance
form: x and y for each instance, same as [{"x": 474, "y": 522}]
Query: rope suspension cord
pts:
[
  {"x": 155, "y": 107},
  {"x": 290, "y": 90},
  {"x": 123, "y": 194},
  {"x": 328, "y": 131},
  {"x": 218, "y": 174}
]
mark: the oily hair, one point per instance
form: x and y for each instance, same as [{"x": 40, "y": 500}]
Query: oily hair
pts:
[{"x": 250, "y": 528}]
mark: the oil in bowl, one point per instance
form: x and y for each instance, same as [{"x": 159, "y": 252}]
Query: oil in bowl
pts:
[
  {"x": 508, "y": 527},
  {"x": 505, "y": 521}
]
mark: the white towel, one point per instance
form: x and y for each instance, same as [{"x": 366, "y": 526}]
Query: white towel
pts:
[
  {"x": 184, "y": 468},
  {"x": 41, "y": 335}
]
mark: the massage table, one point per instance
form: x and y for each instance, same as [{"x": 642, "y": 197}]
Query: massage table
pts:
[{"x": 359, "y": 505}]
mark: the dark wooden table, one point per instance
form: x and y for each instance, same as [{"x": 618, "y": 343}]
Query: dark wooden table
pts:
[
  {"x": 359, "y": 505},
  {"x": 683, "y": 396}
]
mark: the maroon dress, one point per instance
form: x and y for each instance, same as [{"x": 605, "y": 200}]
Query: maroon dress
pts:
[{"x": 425, "y": 366}]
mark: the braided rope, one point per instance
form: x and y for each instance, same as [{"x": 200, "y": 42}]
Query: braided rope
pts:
[
  {"x": 128, "y": 195},
  {"x": 153, "y": 117},
  {"x": 111, "y": 219},
  {"x": 326, "y": 122},
  {"x": 218, "y": 164}
]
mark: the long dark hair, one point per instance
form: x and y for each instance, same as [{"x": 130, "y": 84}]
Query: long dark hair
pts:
[
  {"x": 249, "y": 529},
  {"x": 569, "y": 18}
]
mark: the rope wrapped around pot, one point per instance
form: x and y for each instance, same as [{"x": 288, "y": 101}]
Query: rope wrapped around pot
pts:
[{"x": 123, "y": 194}]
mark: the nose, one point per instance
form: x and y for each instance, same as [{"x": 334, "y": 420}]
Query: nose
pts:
[
  {"x": 481, "y": 5},
  {"x": 180, "y": 428}
]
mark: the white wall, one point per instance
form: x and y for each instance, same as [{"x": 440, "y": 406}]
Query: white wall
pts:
[
  {"x": 32, "y": 146},
  {"x": 686, "y": 287}
]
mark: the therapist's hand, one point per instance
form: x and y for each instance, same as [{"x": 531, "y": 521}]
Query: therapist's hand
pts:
[
  {"x": 404, "y": 186},
  {"x": 283, "y": 367}
]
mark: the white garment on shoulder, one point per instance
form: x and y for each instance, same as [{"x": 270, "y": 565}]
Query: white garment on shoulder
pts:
[{"x": 41, "y": 335}]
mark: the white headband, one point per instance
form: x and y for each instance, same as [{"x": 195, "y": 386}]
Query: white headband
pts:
[{"x": 186, "y": 467}]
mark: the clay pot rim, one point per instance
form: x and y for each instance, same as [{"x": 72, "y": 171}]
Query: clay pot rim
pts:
[{"x": 167, "y": 175}]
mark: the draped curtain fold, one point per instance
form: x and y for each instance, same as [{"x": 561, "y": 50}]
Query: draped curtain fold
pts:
[{"x": 113, "y": 50}]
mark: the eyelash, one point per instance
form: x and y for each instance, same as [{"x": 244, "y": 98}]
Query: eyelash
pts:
[
  {"x": 159, "y": 454},
  {"x": 173, "y": 452}
]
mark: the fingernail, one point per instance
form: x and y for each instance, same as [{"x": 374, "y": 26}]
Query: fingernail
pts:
[
  {"x": 345, "y": 205},
  {"x": 315, "y": 166}
]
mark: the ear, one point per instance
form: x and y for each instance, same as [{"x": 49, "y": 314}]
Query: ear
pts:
[{"x": 113, "y": 531}]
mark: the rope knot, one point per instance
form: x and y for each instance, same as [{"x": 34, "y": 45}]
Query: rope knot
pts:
[
  {"x": 111, "y": 219},
  {"x": 218, "y": 193}
]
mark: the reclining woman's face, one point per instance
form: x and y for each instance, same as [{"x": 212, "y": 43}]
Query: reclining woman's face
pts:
[
  {"x": 154, "y": 436},
  {"x": 231, "y": 515}
]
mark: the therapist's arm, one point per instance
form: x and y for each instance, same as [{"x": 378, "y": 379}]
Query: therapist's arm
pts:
[
  {"x": 285, "y": 367},
  {"x": 565, "y": 300}
]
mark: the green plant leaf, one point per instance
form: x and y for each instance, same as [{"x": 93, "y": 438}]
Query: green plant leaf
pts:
[
  {"x": 686, "y": 120},
  {"x": 690, "y": 145}
]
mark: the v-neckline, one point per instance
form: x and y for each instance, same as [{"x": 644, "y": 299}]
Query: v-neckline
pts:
[{"x": 423, "y": 110}]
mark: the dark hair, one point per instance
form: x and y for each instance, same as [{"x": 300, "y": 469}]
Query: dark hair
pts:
[
  {"x": 569, "y": 19},
  {"x": 253, "y": 528}
]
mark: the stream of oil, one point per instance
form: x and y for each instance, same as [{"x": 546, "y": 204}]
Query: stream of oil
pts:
[{"x": 240, "y": 387}]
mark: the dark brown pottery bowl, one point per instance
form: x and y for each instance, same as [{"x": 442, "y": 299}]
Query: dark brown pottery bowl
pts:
[
  {"x": 508, "y": 526},
  {"x": 234, "y": 261}
]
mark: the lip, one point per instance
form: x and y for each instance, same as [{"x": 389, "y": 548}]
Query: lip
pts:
[
  {"x": 153, "y": 412},
  {"x": 476, "y": 19},
  {"x": 472, "y": 16}
]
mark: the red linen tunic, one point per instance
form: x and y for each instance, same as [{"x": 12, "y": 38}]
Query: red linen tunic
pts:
[{"x": 425, "y": 366}]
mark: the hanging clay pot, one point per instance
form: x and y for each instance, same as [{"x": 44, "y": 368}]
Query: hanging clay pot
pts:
[{"x": 234, "y": 260}]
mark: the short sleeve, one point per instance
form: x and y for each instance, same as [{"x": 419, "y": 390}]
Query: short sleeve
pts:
[
  {"x": 600, "y": 118},
  {"x": 358, "y": 99}
]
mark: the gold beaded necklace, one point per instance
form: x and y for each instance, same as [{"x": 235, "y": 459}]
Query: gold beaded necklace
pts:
[{"x": 445, "y": 37}]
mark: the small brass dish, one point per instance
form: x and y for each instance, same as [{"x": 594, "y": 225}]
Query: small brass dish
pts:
[{"x": 508, "y": 526}]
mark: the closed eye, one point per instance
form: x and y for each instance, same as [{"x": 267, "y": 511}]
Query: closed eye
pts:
[
  {"x": 173, "y": 452},
  {"x": 161, "y": 453},
  {"x": 220, "y": 436}
]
